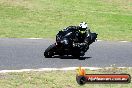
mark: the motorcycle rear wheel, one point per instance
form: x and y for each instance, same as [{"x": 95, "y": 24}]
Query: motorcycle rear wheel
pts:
[{"x": 76, "y": 55}]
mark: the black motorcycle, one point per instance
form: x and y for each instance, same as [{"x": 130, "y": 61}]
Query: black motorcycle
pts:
[{"x": 67, "y": 46}]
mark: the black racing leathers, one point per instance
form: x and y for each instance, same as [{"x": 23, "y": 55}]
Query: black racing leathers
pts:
[{"x": 71, "y": 35}]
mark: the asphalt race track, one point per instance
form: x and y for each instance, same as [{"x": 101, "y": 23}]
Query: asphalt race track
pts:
[{"x": 28, "y": 54}]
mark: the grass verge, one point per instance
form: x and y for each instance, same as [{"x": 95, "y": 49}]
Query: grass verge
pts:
[
  {"x": 111, "y": 19},
  {"x": 57, "y": 79}
]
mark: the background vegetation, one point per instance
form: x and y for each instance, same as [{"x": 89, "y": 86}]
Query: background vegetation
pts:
[{"x": 111, "y": 19}]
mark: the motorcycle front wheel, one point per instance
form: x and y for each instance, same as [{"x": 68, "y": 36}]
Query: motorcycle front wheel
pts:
[{"x": 49, "y": 51}]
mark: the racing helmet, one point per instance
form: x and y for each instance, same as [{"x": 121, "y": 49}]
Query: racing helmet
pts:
[{"x": 83, "y": 26}]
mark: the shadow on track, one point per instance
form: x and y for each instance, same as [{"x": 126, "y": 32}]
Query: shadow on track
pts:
[{"x": 71, "y": 57}]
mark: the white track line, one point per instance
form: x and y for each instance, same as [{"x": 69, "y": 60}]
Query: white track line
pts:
[
  {"x": 99, "y": 40},
  {"x": 35, "y": 38},
  {"x": 44, "y": 38},
  {"x": 48, "y": 69},
  {"x": 54, "y": 69},
  {"x": 123, "y": 41}
]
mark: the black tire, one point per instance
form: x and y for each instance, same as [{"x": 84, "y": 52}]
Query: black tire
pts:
[
  {"x": 76, "y": 55},
  {"x": 81, "y": 80},
  {"x": 49, "y": 51},
  {"x": 76, "y": 52},
  {"x": 48, "y": 54}
]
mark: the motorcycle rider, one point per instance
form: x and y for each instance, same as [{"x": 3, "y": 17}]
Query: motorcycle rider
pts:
[
  {"x": 84, "y": 32},
  {"x": 77, "y": 34}
]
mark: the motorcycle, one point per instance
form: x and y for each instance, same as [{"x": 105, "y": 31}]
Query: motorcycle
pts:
[{"x": 67, "y": 46}]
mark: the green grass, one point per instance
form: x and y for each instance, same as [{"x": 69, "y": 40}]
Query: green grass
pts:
[
  {"x": 111, "y": 19},
  {"x": 56, "y": 79}
]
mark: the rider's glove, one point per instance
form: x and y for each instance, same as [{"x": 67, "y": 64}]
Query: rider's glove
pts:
[{"x": 79, "y": 44}]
